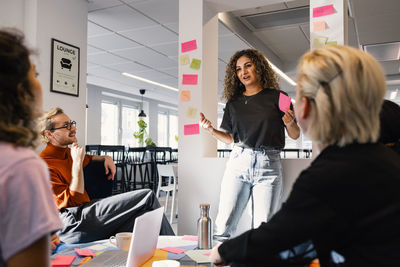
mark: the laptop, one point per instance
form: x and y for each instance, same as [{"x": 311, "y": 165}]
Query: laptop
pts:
[{"x": 143, "y": 243}]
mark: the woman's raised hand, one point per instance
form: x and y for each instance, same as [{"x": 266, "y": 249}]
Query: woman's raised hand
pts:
[{"x": 206, "y": 124}]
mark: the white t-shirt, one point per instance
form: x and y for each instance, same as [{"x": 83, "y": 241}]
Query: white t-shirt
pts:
[{"x": 27, "y": 208}]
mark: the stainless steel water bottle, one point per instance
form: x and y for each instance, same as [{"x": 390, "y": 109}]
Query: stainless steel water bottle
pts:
[{"x": 204, "y": 228}]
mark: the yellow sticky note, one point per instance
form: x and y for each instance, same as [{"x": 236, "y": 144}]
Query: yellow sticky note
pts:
[
  {"x": 184, "y": 59},
  {"x": 319, "y": 42},
  {"x": 195, "y": 64},
  {"x": 331, "y": 43},
  {"x": 185, "y": 95},
  {"x": 319, "y": 26},
  {"x": 159, "y": 255},
  {"x": 191, "y": 112}
]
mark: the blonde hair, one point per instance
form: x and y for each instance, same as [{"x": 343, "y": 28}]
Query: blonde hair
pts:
[
  {"x": 45, "y": 122},
  {"x": 345, "y": 87}
]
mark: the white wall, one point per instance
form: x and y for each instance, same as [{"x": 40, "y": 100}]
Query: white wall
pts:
[{"x": 12, "y": 13}]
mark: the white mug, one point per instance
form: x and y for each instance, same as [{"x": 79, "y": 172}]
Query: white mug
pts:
[
  {"x": 166, "y": 263},
  {"x": 122, "y": 240}
]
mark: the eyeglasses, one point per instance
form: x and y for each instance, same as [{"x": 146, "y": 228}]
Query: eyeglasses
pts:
[{"x": 67, "y": 126}]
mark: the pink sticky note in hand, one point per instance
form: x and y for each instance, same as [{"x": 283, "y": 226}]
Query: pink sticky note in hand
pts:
[
  {"x": 85, "y": 252},
  {"x": 190, "y": 129},
  {"x": 323, "y": 11},
  {"x": 188, "y": 46},
  {"x": 190, "y": 237},
  {"x": 189, "y": 79},
  {"x": 284, "y": 102},
  {"x": 174, "y": 250},
  {"x": 63, "y": 261}
]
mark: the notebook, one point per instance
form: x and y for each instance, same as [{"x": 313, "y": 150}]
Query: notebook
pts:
[{"x": 143, "y": 243}]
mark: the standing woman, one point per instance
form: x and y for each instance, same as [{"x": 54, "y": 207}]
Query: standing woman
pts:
[
  {"x": 28, "y": 212},
  {"x": 254, "y": 122}
]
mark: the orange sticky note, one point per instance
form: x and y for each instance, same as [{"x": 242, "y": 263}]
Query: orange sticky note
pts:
[
  {"x": 323, "y": 11},
  {"x": 190, "y": 79},
  {"x": 185, "y": 95},
  {"x": 319, "y": 26}
]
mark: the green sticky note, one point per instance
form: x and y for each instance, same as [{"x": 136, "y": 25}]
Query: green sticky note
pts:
[
  {"x": 195, "y": 64},
  {"x": 331, "y": 43},
  {"x": 319, "y": 42}
]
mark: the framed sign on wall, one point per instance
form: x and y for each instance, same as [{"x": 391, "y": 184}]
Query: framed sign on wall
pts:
[{"x": 64, "y": 68}]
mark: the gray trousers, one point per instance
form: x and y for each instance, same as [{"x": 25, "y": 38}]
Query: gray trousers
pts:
[{"x": 102, "y": 218}]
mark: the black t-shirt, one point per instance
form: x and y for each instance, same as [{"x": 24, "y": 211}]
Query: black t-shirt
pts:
[{"x": 257, "y": 123}]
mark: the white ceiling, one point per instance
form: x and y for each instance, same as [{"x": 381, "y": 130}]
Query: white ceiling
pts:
[{"x": 141, "y": 37}]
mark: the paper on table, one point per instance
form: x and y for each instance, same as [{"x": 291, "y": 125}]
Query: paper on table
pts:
[
  {"x": 323, "y": 11},
  {"x": 284, "y": 102},
  {"x": 174, "y": 250},
  {"x": 185, "y": 95},
  {"x": 184, "y": 59},
  {"x": 188, "y": 46},
  {"x": 198, "y": 255},
  {"x": 85, "y": 252},
  {"x": 195, "y": 64},
  {"x": 63, "y": 261},
  {"x": 97, "y": 247},
  {"x": 190, "y": 237},
  {"x": 319, "y": 42},
  {"x": 189, "y": 79},
  {"x": 190, "y": 129},
  {"x": 319, "y": 26},
  {"x": 191, "y": 112}
]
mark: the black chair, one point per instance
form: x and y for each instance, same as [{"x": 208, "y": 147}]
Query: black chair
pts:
[
  {"x": 97, "y": 184},
  {"x": 92, "y": 149},
  {"x": 117, "y": 153},
  {"x": 136, "y": 160}
]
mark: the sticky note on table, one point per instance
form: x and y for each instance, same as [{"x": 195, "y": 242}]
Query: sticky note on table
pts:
[
  {"x": 189, "y": 79},
  {"x": 188, "y": 46},
  {"x": 190, "y": 129},
  {"x": 319, "y": 26},
  {"x": 85, "y": 252},
  {"x": 191, "y": 112},
  {"x": 323, "y": 11},
  {"x": 284, "y": 102},
  {"x": 174, "y": 250},
  {"x": 198, "y": 255},
  {"x": 184, "y": 95},
  {"x": 195, "y": 64},
  {"x": 184, "y": 59},
  {"x": 63, "y": 261},
  {"x": 319, "y": 42},
  {"x": 190, "y": 237}
]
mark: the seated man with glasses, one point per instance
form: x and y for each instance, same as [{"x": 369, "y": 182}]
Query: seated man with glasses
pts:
[{"x": 84, "y": 219}]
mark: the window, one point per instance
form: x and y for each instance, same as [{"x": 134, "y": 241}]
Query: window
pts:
[
  {"x": 173, "y": 131},
  {"x": 129, "y": 125},
  {"x": 162, "y": 139},
  {"x": 109, "y": 123}
]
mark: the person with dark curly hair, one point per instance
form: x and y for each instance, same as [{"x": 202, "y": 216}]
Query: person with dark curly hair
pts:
[
  {"x": 28, "y": 212},
  {"x": 390, "y": 125},
  {"x": 254, "y": 122}
]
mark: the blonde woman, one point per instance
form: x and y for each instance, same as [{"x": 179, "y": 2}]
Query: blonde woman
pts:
[
  {"x": 347, "y": 201},
  {"x": 255, "y": 124}
]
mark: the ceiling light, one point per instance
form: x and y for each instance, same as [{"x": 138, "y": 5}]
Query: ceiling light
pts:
[
  {"x": 142, "y": 114},
  {"x": 149, "y": 81},
  {"x": 393, "y": 94}
]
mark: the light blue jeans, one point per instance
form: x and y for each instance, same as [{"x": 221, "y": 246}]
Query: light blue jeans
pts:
[{"x": 249, "y": 174}]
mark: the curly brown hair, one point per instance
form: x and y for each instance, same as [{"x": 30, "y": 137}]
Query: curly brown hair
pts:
[
  {"x": 267, "y": 77},
  {"x": 17, "y": 111}
]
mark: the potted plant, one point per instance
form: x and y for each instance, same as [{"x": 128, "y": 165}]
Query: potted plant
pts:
[{"x": 141, "y": 134}]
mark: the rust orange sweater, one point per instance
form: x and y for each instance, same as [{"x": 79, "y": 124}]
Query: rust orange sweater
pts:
[{"x": 59, "y": 161}]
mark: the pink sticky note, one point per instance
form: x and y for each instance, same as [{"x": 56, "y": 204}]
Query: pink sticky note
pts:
[
  {"x": 189, "y": 79},
  {"x": 207, "y": 254},
  {"x": 323, "y": 11},
  {"x": 189, "y": 129},
  {"x": 190, "y": 237},
  {"x": 63, "y": 261},
  {"x": 174, "y": 250},
  {"x": 188, "y": 46},
  {"x": 85, "y": 252},
  {"x": 284, "y": 102},
  {"x": 319, "y": 26}
]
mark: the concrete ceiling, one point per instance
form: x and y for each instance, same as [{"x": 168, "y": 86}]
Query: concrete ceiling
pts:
[{"x": 141, "y": 37}]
